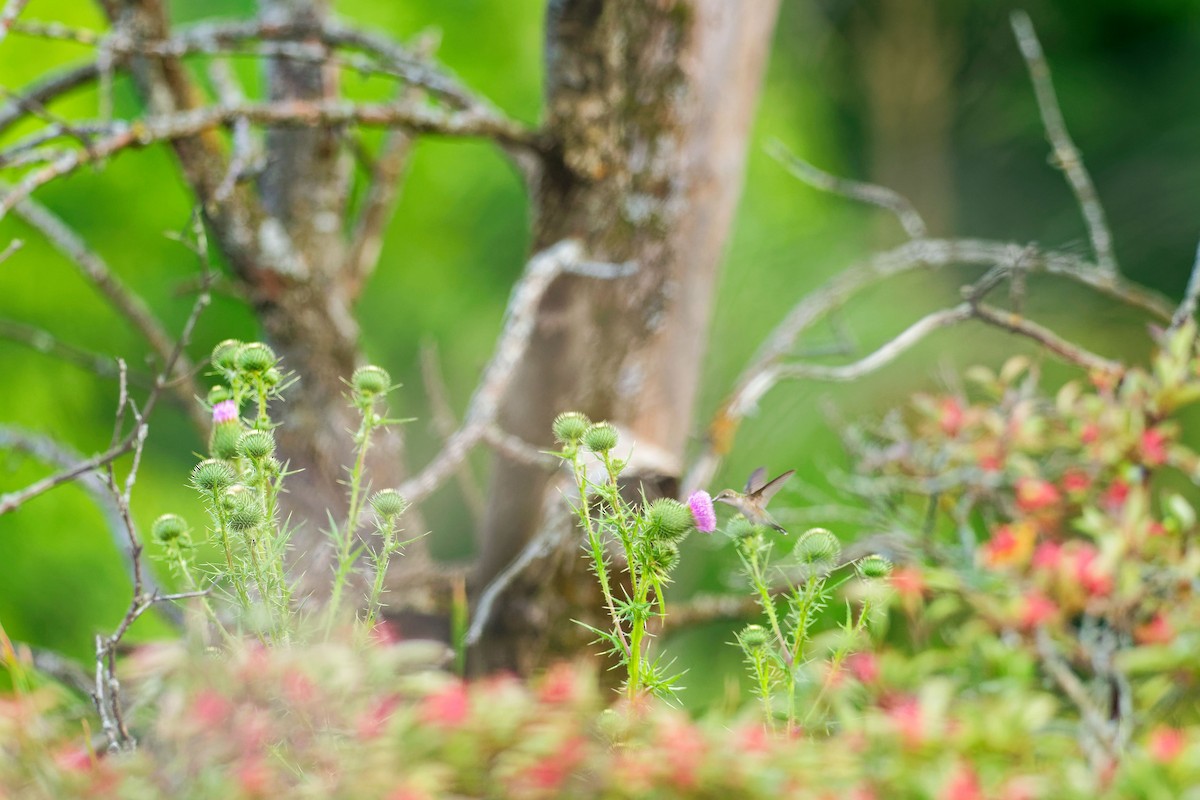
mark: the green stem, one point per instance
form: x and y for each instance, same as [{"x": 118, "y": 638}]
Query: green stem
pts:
[
  {"x": 597, "y": 547},
  {"x": 345, "y": 539}
]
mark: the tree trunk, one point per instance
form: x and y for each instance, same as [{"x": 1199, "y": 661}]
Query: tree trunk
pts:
[{"x": 651, "y": 106}]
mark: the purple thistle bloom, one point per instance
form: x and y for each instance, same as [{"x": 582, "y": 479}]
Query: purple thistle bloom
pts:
[
  {"x": 224, "y": 411},
  {"x": 702, "y": 511}
]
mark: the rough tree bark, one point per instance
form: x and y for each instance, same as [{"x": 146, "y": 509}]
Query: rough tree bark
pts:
[
  {"x": 650, "y": 106},
  {"x": 648, "y": 109}
]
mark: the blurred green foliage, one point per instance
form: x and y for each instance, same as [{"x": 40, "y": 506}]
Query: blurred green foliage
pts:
[{"x": 1125, "y": 73}]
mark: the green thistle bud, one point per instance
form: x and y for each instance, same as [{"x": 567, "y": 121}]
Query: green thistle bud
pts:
[
  {"x": 272, "y": 466},
  {"x": 224, "y": 355},
  {"x": 661, "y": 557},
  {"x": 817, "y": 545},
  {"x": 219, "y": 394},
  {"x": 754, "y": 637},
  {"x": 223, "y": 443},
  {"x": 245, "y": 513},
  {"x": 569, "y": 427},
  {"x": 256, "y": 445},
  {"x": 213, "y": 475},
  {"x": 169, "y": 528},
  {"x": 740, "y": 528},
  {"x": 874, "y": 566},
  {"x": 600, "y": 437},
  {"x": 388, "y": 503},
  {"x": 272, "y": 377},
  {"x": 667, "y": 520},
  {"x": 255, "y": 357},
  {"x": 370, "y": 381}
]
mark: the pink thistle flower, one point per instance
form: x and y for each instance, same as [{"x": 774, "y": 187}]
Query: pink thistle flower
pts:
[
  {"x": 224, "y": 411},
  {"x": 702, "y": 511}
]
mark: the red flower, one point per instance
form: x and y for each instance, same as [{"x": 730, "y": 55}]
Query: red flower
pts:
[
  {"x": 1090, "y": 575},
  {"x": 1090, "y": 433},
  {"x": 685, "y": 752},
  {"x": 1075, "y": 481},
  {"x": 372, "y": 722},
  {"x": 447, "y": 708},
  {"x": 1157, "y": 631},
  {"x": 1036, "y": 610},
  {"x": 1009, "y": 545},
  {"x": 1047, "y": 556},
  {"x": 1034, "y": 494},
  {"x": 950, "y": 416},
  {"x": 1116, "y": 495},
  {"x": 559, "y": 686},
  {"x": 1153, "y": 447},
  {"x": 210, "y": 708},
  {"x": 907, "y": 719},
  {"x": 863, "y": 666},
  {"x": 908, "y": 582},
  {"x": 963, "y": 785},
  {"x": 1166, "y": 744}
]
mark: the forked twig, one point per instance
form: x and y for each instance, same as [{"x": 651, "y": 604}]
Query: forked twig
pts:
[
  {"x": 869, "y": 193},
  {"x": 1066, "y": 154}
]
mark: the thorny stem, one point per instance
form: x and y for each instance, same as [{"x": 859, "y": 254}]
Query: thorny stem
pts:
[
  {"x": 599, "y": 563},
  {"x": 345, "y": 538}
]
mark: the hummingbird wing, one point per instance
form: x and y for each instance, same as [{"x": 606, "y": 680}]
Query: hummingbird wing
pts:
[
  {"x": 768, "y": 491},
  {"x": 757, "y": 480}
]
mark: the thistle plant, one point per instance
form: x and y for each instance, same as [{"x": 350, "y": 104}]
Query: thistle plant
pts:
[
  {"x": 240, "y": 484},
  {"x": 369, "y": 387},
  {"x": 781, "y": 654},
  {"x": 649, "y": 535}
]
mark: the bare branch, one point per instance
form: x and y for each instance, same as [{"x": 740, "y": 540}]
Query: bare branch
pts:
[
  {"x": 187, "y": 125},
  {"x": 1187, "y": 307},
  {"x": 868, "y": 193},
  {"x": 8, "y": 16},
  {"x": 46, "y": 90},
  {"x": 1065, "y": 153},
  {"x": 763, "y": 371},
  {"x": 443, "y": 420},
  {"x": 42, "y": 341},
  {"x": 13, "y": 500},
  {"x": 884, "y": 355},
  {"x": 1093, "y": 719},
  {"x": 124, "y": 301},
  {"x": 230, "y": 93},
  {"x": 520, "y": 317},
  {"x": 366, "y": 242},
  {"x": 11, "y": 248},
  {"x": 1067, "y": 351}
]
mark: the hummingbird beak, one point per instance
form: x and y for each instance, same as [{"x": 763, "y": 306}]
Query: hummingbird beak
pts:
[{"x": 724, "y": 497}]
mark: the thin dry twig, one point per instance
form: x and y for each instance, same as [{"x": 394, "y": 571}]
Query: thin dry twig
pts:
[
  {"x": 8, "y": 16},
  {"x": 42, "y": 341},
  {"x": 520, "y": 318},
  {"x": 868, "y": 193},
  {"x": 123, "y": 300},
  {"x": 230, "y": 93},
  {"x": 1093, "y": 719},
  {"x": 1187, "y": 307},
  {"x": 1066, "y": 155},
  {"x": 183, "y": 125},
  {"x": 13, "y": 500},
  {"x": 366, "y": 242},
  {"x": 446, "y": 424},
  {"x": 763, "y": 372}
]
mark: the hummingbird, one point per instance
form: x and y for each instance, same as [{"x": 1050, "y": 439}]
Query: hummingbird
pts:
[{"x": 753, "y": 502}]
